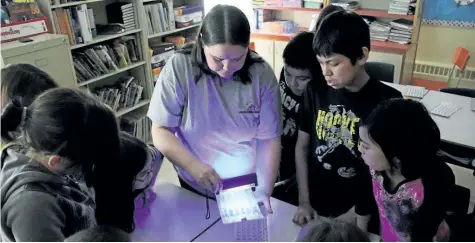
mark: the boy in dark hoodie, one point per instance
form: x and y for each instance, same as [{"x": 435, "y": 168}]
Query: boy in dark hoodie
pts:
[{"x": 68, "y": 138}]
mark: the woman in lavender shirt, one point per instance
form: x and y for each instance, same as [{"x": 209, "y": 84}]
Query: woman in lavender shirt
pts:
[{"x": 216, "y": 108}]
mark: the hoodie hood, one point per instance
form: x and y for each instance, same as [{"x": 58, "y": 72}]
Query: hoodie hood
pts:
[
  {"x": 64, "y": 201},
  {"x": 19, "y": 170}
]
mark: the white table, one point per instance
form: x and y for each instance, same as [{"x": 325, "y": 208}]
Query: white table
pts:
[
  {"x": 280, "y": 222},
  {"x": 399, "y": 87},
  {"x": 176, "y": 215},
  {"x": 458, "y": 129},
  {"x": 281, "y": 228}
]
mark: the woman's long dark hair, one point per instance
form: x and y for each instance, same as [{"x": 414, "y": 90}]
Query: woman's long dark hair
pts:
[
  {"x": 224, "y": 24},
  {"x": 84, "y": 132}
]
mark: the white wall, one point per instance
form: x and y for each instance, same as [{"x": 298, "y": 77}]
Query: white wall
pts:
[{"x": 243, "y": 5}]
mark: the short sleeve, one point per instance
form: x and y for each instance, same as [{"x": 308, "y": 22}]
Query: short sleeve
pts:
[
  {"x": 270, "y": 125},
  {"x": 168, "y": 99}
]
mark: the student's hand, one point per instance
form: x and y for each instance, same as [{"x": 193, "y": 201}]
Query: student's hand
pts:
[
  {"x": 305, "y": 213},
  {"x": 264, "y": 201},
  {"x": 206, "y": 176}
]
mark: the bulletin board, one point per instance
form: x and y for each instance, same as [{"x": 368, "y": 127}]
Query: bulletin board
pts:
[{"x": 449, "y": 13}]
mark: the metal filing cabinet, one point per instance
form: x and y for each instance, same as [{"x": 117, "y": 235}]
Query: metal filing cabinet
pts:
[{"x": 49, "y": 52}]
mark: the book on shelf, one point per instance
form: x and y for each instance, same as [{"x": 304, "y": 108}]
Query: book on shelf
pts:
[
  {"x": 137, "y": 124},
  {"x": 98, "y": 60},
  {"x": 161, "y": 52},
  {"x": 76, "y": 22},
  {"x": 160, "y": 16},
  {"x": 122, "y": 13},
  {"x": 125, "y": 93}
]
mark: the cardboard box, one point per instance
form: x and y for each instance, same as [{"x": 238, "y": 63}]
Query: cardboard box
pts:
[
  {"x": 188, "y": 19},
  {"x": 28, "y": 28}
]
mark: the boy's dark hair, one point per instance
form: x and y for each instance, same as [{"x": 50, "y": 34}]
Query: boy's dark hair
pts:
[
  {"x": 224, "y": 24},
  {"x": 325, "y": 12},
  {"x": 100, "y": 234},
  {"x": 331, "y": 230},
  {"x": 84, "y": 132},
  {"x": 24, "y": 81},
  {"x": 299, "y": 54},
  {"x": 400, "y": 122},
  {"x": 342, "y": 33}
]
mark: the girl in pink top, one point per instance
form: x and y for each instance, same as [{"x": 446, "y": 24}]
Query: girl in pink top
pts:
[{"x": 399, "y": 141}]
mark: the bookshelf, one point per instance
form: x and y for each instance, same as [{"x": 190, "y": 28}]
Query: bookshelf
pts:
[
  {"x": 366, "y": 12},
  {"x": 102, "y": 38},
  {"x": 165, "y": 33},
  {"x": 107, "y": 79},
  {"x": 401, "y": 55}
]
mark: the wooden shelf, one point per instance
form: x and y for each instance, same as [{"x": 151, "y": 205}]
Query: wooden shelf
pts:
[
  {"x": 365, "y": 12},
  {"x": 172, "y": 31},
  {"x": 101, "y": 38},
  {"x": 124, "y": 111},
  {"x": 271, "y": 36},
  {"x": 134, "y": 65},
  {"x": 379, "y": 46},
  {"x": 74, "y": 3}
]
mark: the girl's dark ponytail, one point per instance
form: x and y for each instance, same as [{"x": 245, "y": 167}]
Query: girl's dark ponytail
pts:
[
  {"x": 84, "y": 131},
  {"x": 11, "y": 119}
]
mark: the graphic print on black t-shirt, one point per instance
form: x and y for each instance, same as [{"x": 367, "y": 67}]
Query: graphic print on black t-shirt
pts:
[
  {"x": 337, "y": 127},
  {"x": 291, "y": 109},
  {"x": 337, "y": 173},
  {"x": 290, "y": 106}
]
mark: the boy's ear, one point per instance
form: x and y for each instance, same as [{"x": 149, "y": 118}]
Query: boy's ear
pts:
[
  {"x": 54, "y": 162},
  {"x": 364, "y": 58}
]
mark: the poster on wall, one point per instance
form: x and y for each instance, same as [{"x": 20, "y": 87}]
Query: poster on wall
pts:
[{"x": 452, "y": 13}]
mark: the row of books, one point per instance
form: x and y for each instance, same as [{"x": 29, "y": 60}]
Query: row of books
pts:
[
  {"x": 402, "y": 7},
  {"x": 398, "y": 31},
  {"x": 121, "y": 13},
  {"x": 137, "y": 124},
  {"x": 56, "y": 2},
  {"x": 126, "y": 92},
  {"x": 160, "y": 16},
  {"x": 76, "y": 22},
  {"x": 102, "y": 59}
]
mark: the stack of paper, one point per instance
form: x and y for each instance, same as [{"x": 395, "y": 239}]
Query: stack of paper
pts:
[
  {"x": 403, "y": 7},
  {"x": 379, "y": 31},
  {"x": 349, "y": 6},
  {"x": 401, "y": 31}
]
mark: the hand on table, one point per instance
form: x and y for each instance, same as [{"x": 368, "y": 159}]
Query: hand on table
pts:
[
  {"x": 206, "y": 176},
  {"x": 264, "y": 200},
  {"x": 305, "y": 213}
]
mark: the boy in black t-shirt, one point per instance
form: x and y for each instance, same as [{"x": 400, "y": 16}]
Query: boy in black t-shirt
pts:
[
  {"x": 300, "y": 69},
  {"x": 331, "y": 176}
]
